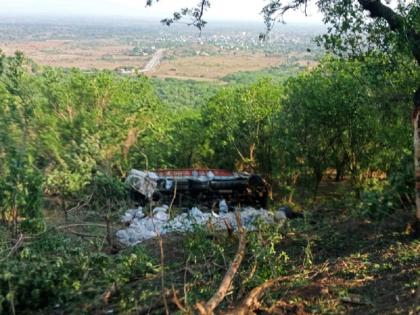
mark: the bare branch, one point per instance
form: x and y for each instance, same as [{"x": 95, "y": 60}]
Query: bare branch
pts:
[
  {"x": 225, "y": 285},
  {"x": 162, "y": 274},
  {"x": 195, "y": 14}
]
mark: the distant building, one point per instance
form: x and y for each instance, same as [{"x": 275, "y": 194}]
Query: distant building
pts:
[{"x": 125, "y": 70}]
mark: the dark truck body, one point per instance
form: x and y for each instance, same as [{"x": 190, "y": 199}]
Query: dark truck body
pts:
[{"x": 190, "y": 187}]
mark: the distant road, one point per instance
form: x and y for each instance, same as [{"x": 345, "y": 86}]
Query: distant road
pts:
[{"x": 155, "y": 61}]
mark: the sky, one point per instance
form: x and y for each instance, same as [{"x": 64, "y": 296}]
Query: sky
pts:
[{"x": 225, "y": 10}]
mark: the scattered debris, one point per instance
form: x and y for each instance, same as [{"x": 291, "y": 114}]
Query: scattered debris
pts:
[
  {"x": 223, "y": 207},
  {"x": 142, "y": 227}
]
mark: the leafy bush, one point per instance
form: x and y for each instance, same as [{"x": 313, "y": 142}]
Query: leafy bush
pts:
[
  {"x": 202, "y": 247},
  {"x": 381, "y": 198},
  {"x": 21, "y": 197},
  {"x": 56, "y": 270},
  {"x": 108, "y": 192},
  {"x": 374, "y": 204},
  {"x": 263, "y": 246}
]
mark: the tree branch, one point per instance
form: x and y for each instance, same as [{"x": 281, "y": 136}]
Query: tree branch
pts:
[
  {"x": 253, "y": 300},
  {"x": 225, "y": 285},
  {"x": 378, "y": 10},
  {"x": 395, "y": 21}
]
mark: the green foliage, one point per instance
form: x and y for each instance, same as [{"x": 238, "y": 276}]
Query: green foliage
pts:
[
  {"x": 352, "y": 33},
  {"x": 328, "y": 119},
  {"x": 56, "y": 270},
  {"x": 375, "y": 203},
  {"x": 184, "y": 93},
  {"x": 381, "y": 198},
  {"x": 240, "y": 124},
  {"x": 203, "y": 249},
  {"x": 276, "y": 74},
  {"x": 21, "y": 181},
  {"x": 107, "y": 192},
  {"x": 75, "y": 173},
  {"x": 63, "y": 129},
  {"x": 263, "y": 247},
  {"x": 95, "y": 120},
  {"x": 337, "y": 117},
  {"x": 72, "y": 135},
  {"x": 60, "y": 127},
  {"x": 184, "y": 137}
]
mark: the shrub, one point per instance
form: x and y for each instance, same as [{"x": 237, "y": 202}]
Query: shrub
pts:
[{"x": 56, "y": 270}]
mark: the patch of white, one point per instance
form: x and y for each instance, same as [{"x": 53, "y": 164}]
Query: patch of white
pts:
[
  {"x": 132, "y": 214},
  {"x": 143, "y": 182},
  {"x": 168, "y": 184},
  {"x": 280, "y": 215},
  {"x": 223, "y": 207},
  {"x": 142, "y": 227}
]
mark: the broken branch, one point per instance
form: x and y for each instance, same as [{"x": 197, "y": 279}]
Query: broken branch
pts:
[
  {"x": 15, "y": 247},
  {"x": 225, "y": 285},
  {"x": 253, "y": 300}
]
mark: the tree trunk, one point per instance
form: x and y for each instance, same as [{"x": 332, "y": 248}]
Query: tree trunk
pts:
[
  {"x": 319, "y": 173},
  {"x": 416, "y": 123},
  {"x": 339, "y": 171}
]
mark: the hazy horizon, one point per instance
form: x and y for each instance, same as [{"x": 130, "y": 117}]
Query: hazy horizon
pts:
[
  {"x": 221, "y": 10},
  {"x": 125, "y": 20}
]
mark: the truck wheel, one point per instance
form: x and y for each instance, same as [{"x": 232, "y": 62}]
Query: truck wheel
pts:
[
  {"x": 156, "y": 196},
  {"x": 138, "y": 198}
]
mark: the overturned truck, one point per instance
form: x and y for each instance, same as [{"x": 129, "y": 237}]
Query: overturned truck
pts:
[{"x": 188, "y": 187}]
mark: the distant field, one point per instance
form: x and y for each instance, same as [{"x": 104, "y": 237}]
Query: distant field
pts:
[
  {"x": 214, "y": 67},
  {"x": 84, "y": 54}
]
